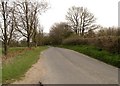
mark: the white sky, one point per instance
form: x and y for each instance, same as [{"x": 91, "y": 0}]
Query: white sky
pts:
[{"x": 106, "y": 11}]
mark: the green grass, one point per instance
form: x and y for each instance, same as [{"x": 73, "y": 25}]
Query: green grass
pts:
[
  {"x": 13, "y": 49},
  {"x": 97, "y": 53},
  {"x": 20, "y": 64}
]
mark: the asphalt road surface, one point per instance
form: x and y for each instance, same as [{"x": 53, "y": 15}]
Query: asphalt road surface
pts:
[{"x": 65, "y": 66}]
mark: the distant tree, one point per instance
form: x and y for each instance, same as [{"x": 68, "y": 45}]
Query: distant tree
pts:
[
  {"x": 46, "y": 40},
  {"x": 118, "y": 31},
  {"x": 14, "y": 43},
  {"x": 81, "y": 20},
  {"x": 38, "y": 36},
  {"x": 111, "y": 31},
  {"x": 108, "y": 31},
  {"x": 59, "y": 31},
  {"x": 23, "y": 42}
]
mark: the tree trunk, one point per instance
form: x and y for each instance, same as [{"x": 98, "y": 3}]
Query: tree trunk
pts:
[
  {"x": 28, "y": 42},
  {"x": 5, "y": 40},
  {"x": 5, "y": 28},
  {"x": 5, "y": 49}
]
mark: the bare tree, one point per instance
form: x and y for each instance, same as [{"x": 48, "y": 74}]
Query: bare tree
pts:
[
  {"x": 73, "y": 16},
  {"x": 81, "y": 20},
  {"x": 4, "y": 29},
  {"x": 28, "y": 15},
  {"x": 38, "y": 35},
  {"x": 7, "y": 24},
  {"x": 12, "y": 17}
]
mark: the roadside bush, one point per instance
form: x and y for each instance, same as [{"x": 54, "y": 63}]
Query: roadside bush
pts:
[
  {"x": 75, "y": 40},
  {"x": 109, "y": 43}
]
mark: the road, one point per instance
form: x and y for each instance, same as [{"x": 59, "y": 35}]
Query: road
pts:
[{"x": 65, "y": 66}]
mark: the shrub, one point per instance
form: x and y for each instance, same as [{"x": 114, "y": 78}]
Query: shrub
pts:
[
  {"x": 75, "y": 41},
  {"x": 109, "y": 43}
]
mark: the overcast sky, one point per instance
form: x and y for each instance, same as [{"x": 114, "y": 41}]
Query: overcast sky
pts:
[{"x": 106, "y": 11}]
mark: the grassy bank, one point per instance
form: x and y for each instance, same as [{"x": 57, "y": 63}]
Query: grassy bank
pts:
[
  {"x": 19, "y": 64},
  {"x": 97, "y": 53}
]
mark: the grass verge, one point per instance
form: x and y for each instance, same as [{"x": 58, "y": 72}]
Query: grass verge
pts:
[
  {"x": 18, "y": 66},
  {"x": 97, "y": 53}
]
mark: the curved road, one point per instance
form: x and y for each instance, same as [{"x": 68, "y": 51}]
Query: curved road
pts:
[{"x": 65, "y": 66}]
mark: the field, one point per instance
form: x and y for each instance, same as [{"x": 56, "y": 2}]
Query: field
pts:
[
  {"x": 97, "y": 53},
  {"x": 20, "y": 61}
]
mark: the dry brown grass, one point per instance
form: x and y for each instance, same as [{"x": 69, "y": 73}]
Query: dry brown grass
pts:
[{"x": 13, "y": 52}]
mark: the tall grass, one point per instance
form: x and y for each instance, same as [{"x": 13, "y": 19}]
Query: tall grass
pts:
[{"x": 20, "y": 64}]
